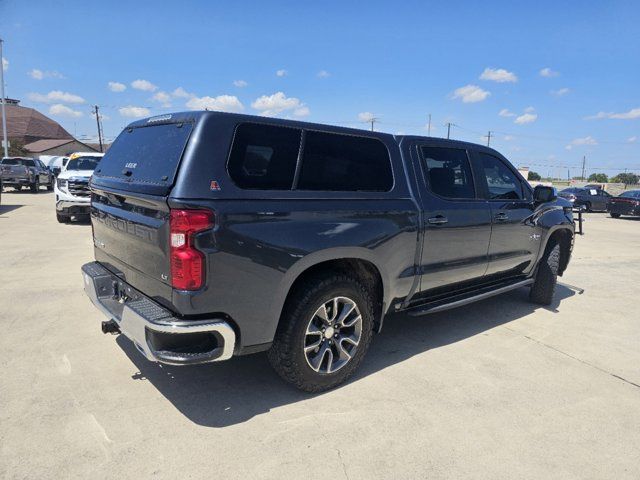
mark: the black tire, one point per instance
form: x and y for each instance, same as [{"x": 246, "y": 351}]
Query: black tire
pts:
[
  {"x": 62, "y": 218},
  {"x": 546, "y": 278},
  {"x": 35, "y": 186},
  {"x": 614, "y": 215},
  {"x": 50, "y": 186},
  {"x": 587, "y": 206},
  {"x": 287, "y": 355}
]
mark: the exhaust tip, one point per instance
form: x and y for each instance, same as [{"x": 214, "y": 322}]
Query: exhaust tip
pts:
[{"x": 110, "y": 326}]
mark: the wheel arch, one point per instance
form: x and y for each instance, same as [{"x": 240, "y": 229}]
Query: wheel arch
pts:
[{"x": 356, "y": 262}]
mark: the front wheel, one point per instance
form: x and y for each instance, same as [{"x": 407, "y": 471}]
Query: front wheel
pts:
[
  {"x": 324, "y": 333},
  {"x": 35, "y": 186},
  {"x": 587, "y": 207},
  {"x": 546, "y": 278},
  {"x": 614, "y": 215},
  {"x": 62, "y": 218}
]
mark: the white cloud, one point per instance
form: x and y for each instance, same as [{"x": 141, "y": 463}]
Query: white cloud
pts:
[
  {"x": 323, "y": 74},
  {"x": 240, "y": 83},
  {"x": 144, "y": 85},
  {"x": 302, "y": 111},
  {"x": 630, "y": 115},
  {"x": 632, "y": 139},
  {"x": 281, "y": 73},
  {"x": 64, "y": 111},
  {"x": 548, "y": 73},
  {"x": 560, "y": 92},
  {"x": 5, "y": 64},
  {"x": 366, "y": 116},
  {"x": 221, "y": 103},
  {"x": 55, "y": 96},
  {"x": 181, "y": 93},
  {"x": 576, "y": 142},
  {"x": 508, "y": 138},
  {"x": 526, "y": 118},
  {"x": 529, "y": 110},
  {"x": 506, "y": 113},
  {"x": 38, "y": 74},
  {"x": 117, "y": 86},
  {"x": 162, "y": 97},
  {"x": 134, "y": 112},
  {"x": 271, "y": 105},
  {"x": 470, "y": 94},
  {"x": 499, "y": 75}
]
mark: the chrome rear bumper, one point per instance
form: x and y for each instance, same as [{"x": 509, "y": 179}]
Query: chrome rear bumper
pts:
[{"x": 154, "y": 330}]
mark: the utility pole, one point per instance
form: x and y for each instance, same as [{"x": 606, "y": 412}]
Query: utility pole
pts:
[
  {"x": 96, "y": 111},
  {"x": 584, "y": 159},
  {"x": 448, "y": 130},
  {"x": 488, "y": 135},
  {"x": 429, "y": 127},
  {"x": 373, "y": 120},
  {"x": 4, "y": 114}
]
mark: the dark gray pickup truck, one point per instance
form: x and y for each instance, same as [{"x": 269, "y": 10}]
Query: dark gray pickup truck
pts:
[
  {"x": 18, "y": 172},
  {"x": 219, "y": 234}
]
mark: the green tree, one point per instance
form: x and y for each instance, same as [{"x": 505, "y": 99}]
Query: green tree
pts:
[
  {"x": 535, "y": 176},
  {"x": 16, "y": 149},
  {"x": 626, "y": 178},
  {"x": 598, "y": 178}
]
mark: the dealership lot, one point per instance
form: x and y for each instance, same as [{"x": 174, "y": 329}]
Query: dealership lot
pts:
[{"x": 498, "y": 389}]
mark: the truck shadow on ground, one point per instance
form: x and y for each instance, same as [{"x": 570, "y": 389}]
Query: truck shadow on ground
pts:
[
  {"x": 9, "y": 208},
  {"x": 227, "y": 393}
]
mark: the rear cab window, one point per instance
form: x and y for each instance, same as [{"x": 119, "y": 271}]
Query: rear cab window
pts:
[
  {"x": 145, "y": 155},
  {"x": 272, "y": 157}
]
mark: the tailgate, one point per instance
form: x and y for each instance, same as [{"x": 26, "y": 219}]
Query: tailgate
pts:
[
  {"x": 131, "y": 238},
  {"x": 129, "y": 210},
  {"x": 14, "y": 171}
]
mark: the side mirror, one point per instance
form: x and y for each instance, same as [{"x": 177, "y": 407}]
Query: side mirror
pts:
[{"x": 544, "y": 194}]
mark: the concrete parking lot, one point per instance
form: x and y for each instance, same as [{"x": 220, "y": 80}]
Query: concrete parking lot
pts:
[{"x": 499, "y": 389}]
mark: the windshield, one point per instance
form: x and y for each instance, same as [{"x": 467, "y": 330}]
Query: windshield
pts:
[
  {"x": 83, "y": 163},
  {"x": 632, "y": 194},
  {"x": 18, "y": 161}
]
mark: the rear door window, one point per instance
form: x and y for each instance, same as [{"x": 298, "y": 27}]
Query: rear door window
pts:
[
  {"x": 264, "y": 156},
  {"x": 449, "y": 172},
  {"x": 344, "y": 163},
  {"x": 146, "y": 154}
]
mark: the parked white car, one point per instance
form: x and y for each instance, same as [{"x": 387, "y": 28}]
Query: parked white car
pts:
[{"x": 73, "y": 197}]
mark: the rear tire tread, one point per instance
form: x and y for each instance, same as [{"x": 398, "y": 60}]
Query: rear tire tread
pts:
[{"x": 284, "y": 358}]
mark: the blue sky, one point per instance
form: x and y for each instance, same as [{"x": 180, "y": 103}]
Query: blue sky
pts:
[{"x": 549, "y": 67}]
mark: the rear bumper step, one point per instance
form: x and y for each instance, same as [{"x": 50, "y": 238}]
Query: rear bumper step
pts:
[{"x": 154, "y": 330}]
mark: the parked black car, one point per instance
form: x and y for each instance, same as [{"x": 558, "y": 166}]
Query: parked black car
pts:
[
  {"x": 591, "y": 199},
  {"x": 18, "y": 172},
  {"x": 628, "y": 203},
  {"x": 219, "y": 234}
]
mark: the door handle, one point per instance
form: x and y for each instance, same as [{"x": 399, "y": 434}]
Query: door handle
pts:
[
  {"x": 438, "y": 220},
  {"x": 501, "y": 217}
]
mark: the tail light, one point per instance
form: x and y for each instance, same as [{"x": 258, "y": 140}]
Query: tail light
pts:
[{"x": 187, "y": 263}]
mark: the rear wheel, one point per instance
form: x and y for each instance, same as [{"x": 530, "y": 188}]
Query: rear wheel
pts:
[
  {"x": 614, "y": 215},
  {"x": 35, "y": 186},
  {"x": 62, "y": 218},
  {"x": 546, "y": 278},
  {"x": 324, "y": 332},
  {"x": 50, "y": 185},
  {"x": 587, "y": 206}
]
